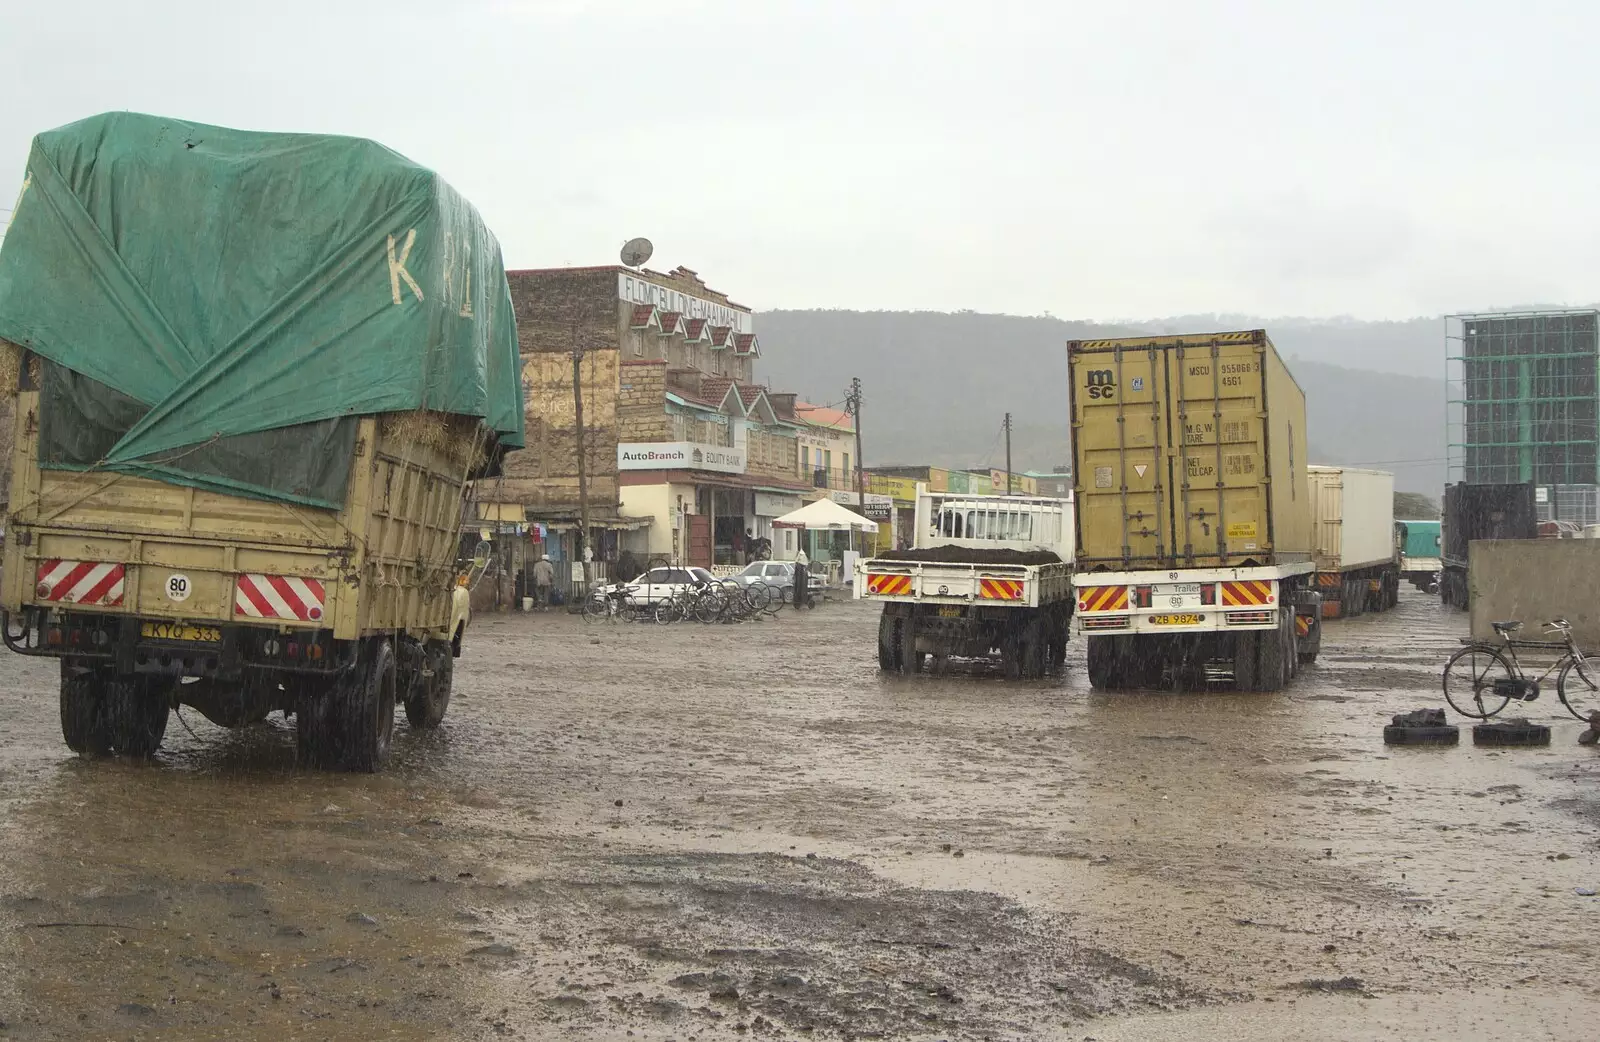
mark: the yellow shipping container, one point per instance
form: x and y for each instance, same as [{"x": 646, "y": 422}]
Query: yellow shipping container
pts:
[{"x": 1188, "y": 452}]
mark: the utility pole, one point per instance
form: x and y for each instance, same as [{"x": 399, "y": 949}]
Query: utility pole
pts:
[
  {"x": 583, "y": 479},
  {"x": 1008, "y": 453},
  {"x": 852, "y": 405}
]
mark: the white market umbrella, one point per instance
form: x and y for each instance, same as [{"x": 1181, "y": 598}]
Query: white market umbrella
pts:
[{"x": 828, "y": 516}]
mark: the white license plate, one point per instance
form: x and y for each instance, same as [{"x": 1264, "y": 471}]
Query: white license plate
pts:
[{"x": 1178, "y": 590}]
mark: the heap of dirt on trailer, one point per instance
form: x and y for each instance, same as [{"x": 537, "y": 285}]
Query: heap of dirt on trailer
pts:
[{"x": 969, "y": 555}]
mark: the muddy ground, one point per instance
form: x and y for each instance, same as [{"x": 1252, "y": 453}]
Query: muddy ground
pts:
[{"x": 689, "y": 832}]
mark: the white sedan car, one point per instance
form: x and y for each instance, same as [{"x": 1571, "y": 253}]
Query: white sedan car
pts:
[
  {"x": 662, "y": 584},
  {"x": 779, "y": 575}
]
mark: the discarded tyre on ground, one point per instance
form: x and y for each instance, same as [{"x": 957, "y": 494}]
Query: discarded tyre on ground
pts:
[
  {"x": 1510, "y": 733},
  {"x": 1421, "y": 727}
]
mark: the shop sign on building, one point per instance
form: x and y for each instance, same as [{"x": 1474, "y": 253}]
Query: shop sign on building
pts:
[
  {"x": 878, "y": 507},
  {"x": 772, "y": 504},
  {"x": 679, "y": 455},
  {"x": 903, "y": 490}
]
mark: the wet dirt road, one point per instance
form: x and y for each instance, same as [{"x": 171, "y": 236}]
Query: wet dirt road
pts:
[{"x": 732, "y": 832}]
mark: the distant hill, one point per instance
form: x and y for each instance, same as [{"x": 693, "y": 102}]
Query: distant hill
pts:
[{"x": 936, "y": 385}]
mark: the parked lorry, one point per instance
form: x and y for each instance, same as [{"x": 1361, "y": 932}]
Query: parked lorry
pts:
[
  {"x": 1472, "y": 512},
  {"x": 1193, "y": 523},
  {"x": 253, "y": 375},
  {"x": 1420, "y": 563},
  {"x": 1354, "y": 544},
  {"x": 987, "y": 576}
]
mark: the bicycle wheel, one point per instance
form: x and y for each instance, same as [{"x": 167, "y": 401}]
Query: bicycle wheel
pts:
[
  {"x": 755, "y": 595},
  {"x": 595, "y": 607},
  {"x": 708, "y": 607},
  {"x": 1469, "y": 679},
  {"x": 1578, "y": 682}
]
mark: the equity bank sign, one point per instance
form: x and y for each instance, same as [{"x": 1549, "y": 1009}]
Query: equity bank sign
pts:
[{"x": 679, "y": 455}]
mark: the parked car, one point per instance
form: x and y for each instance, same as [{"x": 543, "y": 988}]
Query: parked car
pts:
[
  {"x": 662, "y": 584},
  {"x": 779, "y": 574}
]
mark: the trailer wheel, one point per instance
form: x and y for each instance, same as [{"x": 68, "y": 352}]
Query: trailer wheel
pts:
[
  {"x": 1245, "y": 651},
  {"x": 1271, "y": 664},
  {"x": 430, "y": 693},
  {"x": 82, "y": 721},
  {"x": 1102, "y": 663},
  {"x": 362, "y": 710}
]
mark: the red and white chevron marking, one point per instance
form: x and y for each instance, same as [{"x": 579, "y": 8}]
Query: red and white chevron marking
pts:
[
  {"x": 89, "y": 583},
  {"x": 279, "y": 597}
]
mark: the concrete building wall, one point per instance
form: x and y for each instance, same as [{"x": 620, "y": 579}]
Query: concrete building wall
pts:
[
  {"x": 641, "y": 402},
  {"x": 1535, "y": 580},
  {"x": 557, "y": 310},
  {"x": 660, "y": 503}
]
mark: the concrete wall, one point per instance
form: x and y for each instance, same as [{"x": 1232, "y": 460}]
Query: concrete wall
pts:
[
  {"x": 659, "y": 502},
  {"x": 1535, "y": 580}
]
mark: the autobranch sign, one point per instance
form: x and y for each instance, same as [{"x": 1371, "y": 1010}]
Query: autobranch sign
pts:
[{"x": 679, "y": 455}]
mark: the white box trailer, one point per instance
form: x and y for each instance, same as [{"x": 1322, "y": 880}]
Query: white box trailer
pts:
[{"x": 1354, "y": 540}]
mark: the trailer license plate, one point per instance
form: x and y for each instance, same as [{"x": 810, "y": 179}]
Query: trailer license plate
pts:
[
  {"x": 949, "y": 613},
  {"x": 1176, "y": 620},
  {"x": 176, "y": 631}
]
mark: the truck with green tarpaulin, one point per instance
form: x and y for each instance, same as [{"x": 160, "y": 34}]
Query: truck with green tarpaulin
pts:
[{"x": 253, "y": 376}]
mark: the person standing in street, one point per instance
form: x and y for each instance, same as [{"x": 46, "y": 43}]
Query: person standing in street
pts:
[
  {"x": 544, "y": 578},
  {"x": 802, "y": 581}
]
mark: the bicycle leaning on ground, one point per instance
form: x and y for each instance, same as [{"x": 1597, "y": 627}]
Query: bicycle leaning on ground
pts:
[{"x": 1484, "y": 676}]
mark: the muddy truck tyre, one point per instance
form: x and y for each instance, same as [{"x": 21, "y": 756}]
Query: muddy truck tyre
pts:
[
  {"x": 104, "y": 713},
  {"x": 1440, "y": 734},
  {"x": 1035, "y": 647},
  {"x": 888, "y": 643},
  {"x": 430, "y": 689},
  {"x": 1103, "y": 664},
  {"x": 1510, "y": 733},
  {"x": 346, "y": 723}
]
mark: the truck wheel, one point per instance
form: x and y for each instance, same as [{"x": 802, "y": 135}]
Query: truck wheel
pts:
[
  {"x": 82, "y": 721},
  {"x": 103, "y": 712},
  {"x": 313, "y": 726},
  {"x": 1056, "y": 658},
  {"x": 1244, "y": 660},
  {"x": 888, "y": 641},
  {"x": 910, "y": 659},
  {"x": 136, "y": 711},
  {"x": 430, "y": 694},
  {"x": 1102, "y": 663},
  {"x": 363, "y": 710},
  {"x": 1035, "y": 637}
]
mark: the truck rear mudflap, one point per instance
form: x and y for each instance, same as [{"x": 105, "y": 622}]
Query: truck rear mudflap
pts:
[{"x": 167, "y": 648}]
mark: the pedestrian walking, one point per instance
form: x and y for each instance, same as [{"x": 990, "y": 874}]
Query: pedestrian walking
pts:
[
  {"x": 544, "y": 578},
  {"x": 802, "y": 582}
]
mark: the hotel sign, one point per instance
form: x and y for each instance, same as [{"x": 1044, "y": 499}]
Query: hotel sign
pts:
[{"x": 679, "y": 455}]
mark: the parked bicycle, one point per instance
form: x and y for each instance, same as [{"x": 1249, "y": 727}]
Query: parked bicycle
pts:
[
  {"x": 1484, "y": 677},
  {"x": 612, "y": 603}
]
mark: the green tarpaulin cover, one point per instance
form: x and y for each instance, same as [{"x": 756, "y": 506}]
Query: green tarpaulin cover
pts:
[{"x": 218, "y": 304}]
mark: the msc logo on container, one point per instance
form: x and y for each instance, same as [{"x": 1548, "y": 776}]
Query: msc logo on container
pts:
[{"x": 1101, "y": 383}]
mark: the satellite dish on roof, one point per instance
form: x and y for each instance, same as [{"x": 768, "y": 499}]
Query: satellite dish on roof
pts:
[{"x": 636, "y": 251}]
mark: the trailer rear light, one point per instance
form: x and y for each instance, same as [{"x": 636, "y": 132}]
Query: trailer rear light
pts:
[
  {"x": 1250, "y": 618},
  {"x": 1144, "y": 595},
  {"x": 1208, "y": 593},
  {"x": 1107, "y": 622}
]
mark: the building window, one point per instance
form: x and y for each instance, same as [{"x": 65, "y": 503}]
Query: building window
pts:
[
  {"x": 846, "y": 457},
  {"x": 805, "y": 457},
  {"x": 638, "y": 343}
]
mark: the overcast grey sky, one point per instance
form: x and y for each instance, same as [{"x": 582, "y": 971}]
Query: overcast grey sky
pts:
[{"x": 1092, "y": 160}]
